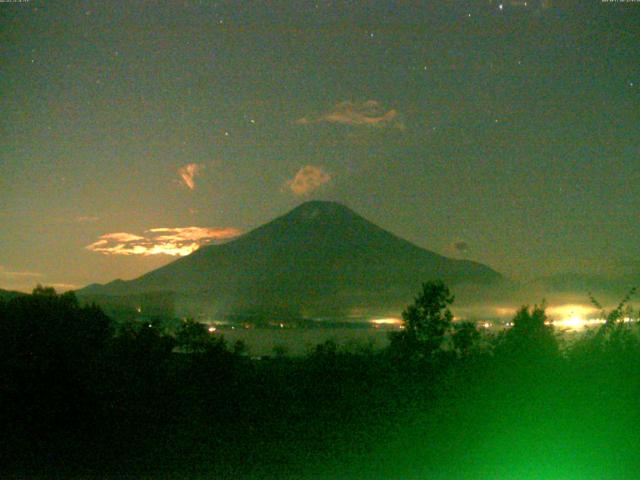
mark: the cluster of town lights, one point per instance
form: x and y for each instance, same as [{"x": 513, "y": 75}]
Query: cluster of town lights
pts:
[{"x": 572, "y": 322}]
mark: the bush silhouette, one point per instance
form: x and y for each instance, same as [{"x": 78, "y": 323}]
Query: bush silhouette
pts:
[
  {"x": 530, "y": 338},
  {"x": 427, "y": 321}
]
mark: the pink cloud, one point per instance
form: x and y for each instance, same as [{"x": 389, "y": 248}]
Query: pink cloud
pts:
[
  {"x": 308, "y": 179},
  {"x": 13, "y": 274},
  {"x": 174, "y": 241},
  {"x": 195, "y": 233},
  {"x": 188, "y": 174},
  {"x": 369, "y": 113},
  {"x": 122, "y": 237}
]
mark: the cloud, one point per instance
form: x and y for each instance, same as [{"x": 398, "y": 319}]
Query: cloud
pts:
[
  {"x": 62, "y": 287},
  {"x": 460, "y": 246},
  {"x": 14, "y": 274},
  {"x": 195, "y": 233},
  {"x": 308, "y": 179},
  {"x": 369, "y": 113},
  {"x": 188, "y": 174},
  {"x": 87, "y": 218},
  {"x": 122, "y": 237},
  {"x": 174, "y": 241}
]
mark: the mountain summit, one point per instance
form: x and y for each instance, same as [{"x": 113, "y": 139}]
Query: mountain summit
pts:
[{"x": 321, "y": 258}]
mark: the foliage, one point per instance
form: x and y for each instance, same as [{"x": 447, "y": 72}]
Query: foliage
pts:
[
  {"x": 77, "y": 393},
  {"x": 617, "y": 338},
  {"x": 47, "y": 327},
  {"x": 530, "y": 338},
  {"x": 465, "y": 339},
  {"x": 426, "y": 322},
  {"x": 194, "y": 337},
  {"x": 614, "y": 317}
]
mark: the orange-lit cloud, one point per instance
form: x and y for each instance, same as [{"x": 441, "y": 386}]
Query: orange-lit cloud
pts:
[
  {"x": 63, "y": 287},
  {"x": 17, "y": 274},
  {"x": 188, "y": 174},
  {"x": 175, "y": 241},
  {"x": 369, "y": 113},
  {"x": 308, "y": 179},
  {"x": 121, "y": 237},
  {"x": 87, "y": 218},
  {"x": 194, "y": 233}
]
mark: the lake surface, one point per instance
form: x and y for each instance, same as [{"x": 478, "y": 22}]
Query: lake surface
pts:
[{"x": 301, "y": 341}]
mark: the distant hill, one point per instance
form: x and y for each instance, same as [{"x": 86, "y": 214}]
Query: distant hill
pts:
[
  {"x": 9, "y": 294},
  {"x": 608, "y": 289},
  {"x": 321, "y": 258}
]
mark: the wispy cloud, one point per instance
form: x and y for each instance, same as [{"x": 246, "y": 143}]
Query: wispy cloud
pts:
[
  {"x": 194, "y": 233},
  {"x": 369, "y": 113},
  {"x": 62, "y": 287},
  {"x": 460, "y": 246},
  {"x": 188, "y": 174},
  {"x": 308, "y": 179},
  {"x": 87, "y": 218},
  {"x": 175, "y": 241},
  {"x": 122, "y": 237},
  {"x": 18, "y": 274}
]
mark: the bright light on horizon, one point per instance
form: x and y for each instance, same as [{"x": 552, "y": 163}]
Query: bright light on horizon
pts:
[{"x": 387, "y": 321}]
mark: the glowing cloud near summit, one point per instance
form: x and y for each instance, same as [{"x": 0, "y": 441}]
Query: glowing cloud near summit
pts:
[
  {"x": 308, "y": 179},
  {"x": 174, "y": 241}
]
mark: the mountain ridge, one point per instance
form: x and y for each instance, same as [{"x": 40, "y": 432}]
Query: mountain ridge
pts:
[{"x": 318, "y": 257}]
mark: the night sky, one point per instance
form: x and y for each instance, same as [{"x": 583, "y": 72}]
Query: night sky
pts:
[{"x": 507, "y": 133}]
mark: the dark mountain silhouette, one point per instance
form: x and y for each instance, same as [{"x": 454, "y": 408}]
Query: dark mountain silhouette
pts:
[
  {"x": 9, "y": 294},
  {"x": 321, "y": 258},
  {"x": 576, "y": 287}
]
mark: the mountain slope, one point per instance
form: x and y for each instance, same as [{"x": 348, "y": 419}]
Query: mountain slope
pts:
[
  {"x": 320, "y": 258},
  {"x": 7, "y": 295}
]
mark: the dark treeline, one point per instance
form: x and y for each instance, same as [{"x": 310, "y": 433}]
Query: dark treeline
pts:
[{"x": 81, "y": 395}]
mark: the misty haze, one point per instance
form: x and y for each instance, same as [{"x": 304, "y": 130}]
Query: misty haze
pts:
[{"x": 319, "y": 239}]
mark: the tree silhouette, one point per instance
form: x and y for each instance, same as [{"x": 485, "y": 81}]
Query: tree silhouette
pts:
[
  {"x": 465, "y": 338},
  {"x": 280, "y": 351},
  {"x": 426, "y": 321},
  {"x": 613, "y": 317},
  {"x": 616, "y": 337},
  {"x": 44, "y": 291},
  {"x": 50, "y": 349},
  {"x": 530, "y": 338},
  {"x": 240, "y": 348},
  {"x": 192, "y": 336}
]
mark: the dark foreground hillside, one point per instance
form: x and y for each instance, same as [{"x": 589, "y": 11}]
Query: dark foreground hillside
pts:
[{"x": 84, "y": 398}]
